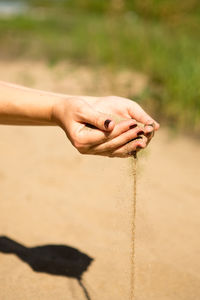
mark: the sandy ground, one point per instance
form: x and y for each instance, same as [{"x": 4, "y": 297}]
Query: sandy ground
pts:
[{"x": 51, "y": 195}]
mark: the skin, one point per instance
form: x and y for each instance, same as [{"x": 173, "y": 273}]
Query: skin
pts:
[{"x": 87, "y": 121}]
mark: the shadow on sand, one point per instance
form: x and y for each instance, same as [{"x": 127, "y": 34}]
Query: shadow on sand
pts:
[{"x": 52, "y": 259}]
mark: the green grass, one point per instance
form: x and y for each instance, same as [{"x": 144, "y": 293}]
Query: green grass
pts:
[{"x": 168, "y": 52}]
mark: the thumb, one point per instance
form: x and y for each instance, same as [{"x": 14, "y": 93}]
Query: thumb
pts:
[{"x": 99, "y": 120}]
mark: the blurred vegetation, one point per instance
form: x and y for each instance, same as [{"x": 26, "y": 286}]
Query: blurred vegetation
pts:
[{"x": 160, "y": 38}]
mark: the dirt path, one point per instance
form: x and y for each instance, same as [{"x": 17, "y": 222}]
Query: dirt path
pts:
[{"x": 51, "y": 195}]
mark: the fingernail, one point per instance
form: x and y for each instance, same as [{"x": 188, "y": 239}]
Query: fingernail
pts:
[
  {"x": 150, "y": 134},
  {"x": 138, "y": 148},
  {"x": 140, "y": 132},
  {"x": 106, "y": 123},
  {"x": 150, "y": 124},
  {"x": 132, "y": 126},
  {"x": 134, "y": 154}
]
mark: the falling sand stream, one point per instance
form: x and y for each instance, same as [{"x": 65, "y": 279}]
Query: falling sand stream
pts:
[
  {"x": 133, "y": 226},
  {"x": 133, "y": 220}
]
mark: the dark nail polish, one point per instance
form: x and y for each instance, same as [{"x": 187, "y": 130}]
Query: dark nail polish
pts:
[
  {"x": 149, "y": 135},
  {"x": 106, "y": 123},
  {"x": 134, "y": 154},
  {"x": 138, "y": 147},
  {"x": 140, "y": 132},
  {"x": 133, "y": 126}
]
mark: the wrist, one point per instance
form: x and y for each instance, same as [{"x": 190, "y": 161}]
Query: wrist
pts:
[
  {"x": 24, "y": 106},
  {"x": 59, "y": 110}
]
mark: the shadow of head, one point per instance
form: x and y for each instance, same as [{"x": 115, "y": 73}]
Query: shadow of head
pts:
[
  {"x": 52, "y": 259},
  {"x": 59, "y": 260}
]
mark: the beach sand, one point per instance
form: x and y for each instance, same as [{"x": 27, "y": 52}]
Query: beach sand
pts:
[{"x": 52, "y": 195}]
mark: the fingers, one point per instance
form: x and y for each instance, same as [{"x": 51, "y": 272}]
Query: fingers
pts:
[
  {"x": 121, "y": 140},
  {"x": 96, "y": 132},
  {"x": 99, "y": 120},
  {"x": 128, "y": 149},
  {"x": 126, "y": 138},
  {"x": 137, "y": 113},
  {"x": 91, "y": 136}
]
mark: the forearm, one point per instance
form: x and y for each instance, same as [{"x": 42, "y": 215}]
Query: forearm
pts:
[{"x": 24, "y": 106}]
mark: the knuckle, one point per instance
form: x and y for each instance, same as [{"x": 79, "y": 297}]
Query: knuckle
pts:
[
  {"x": 82, "y": 149},
  {"x": 76, "y": 144},
  {"x": 76, "y": 140}
]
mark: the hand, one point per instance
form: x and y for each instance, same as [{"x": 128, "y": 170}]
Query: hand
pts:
[
  {"x": 78, "y": 115},
  {"x": 125, "y": 108}
]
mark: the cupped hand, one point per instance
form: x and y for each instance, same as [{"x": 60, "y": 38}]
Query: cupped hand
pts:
[{"x": 89, "y": 124}]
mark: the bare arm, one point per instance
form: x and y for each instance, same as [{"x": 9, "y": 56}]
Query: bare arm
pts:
[{"x": 24, "y": 106}]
